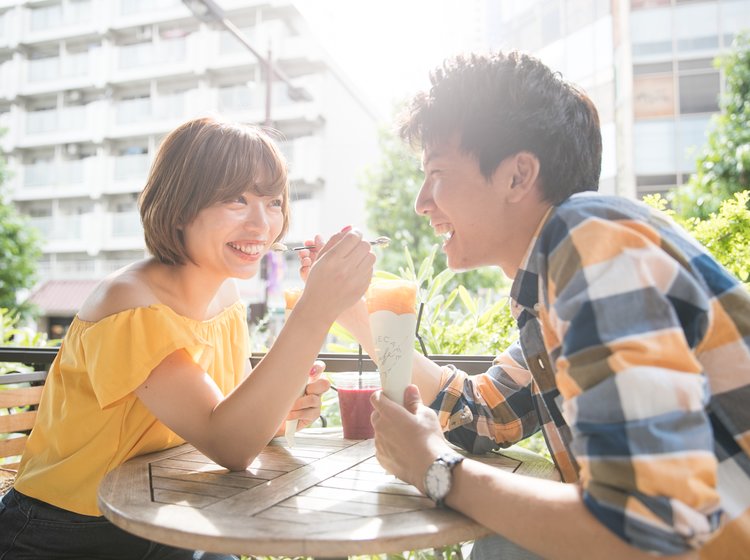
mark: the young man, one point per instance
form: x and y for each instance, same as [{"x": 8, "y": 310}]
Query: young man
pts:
[{"x": 634, "y": 349}]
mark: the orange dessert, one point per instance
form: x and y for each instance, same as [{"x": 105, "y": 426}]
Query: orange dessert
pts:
[
  {"x": 396, "y": 296},
  {"x": 291, "y": 295}
]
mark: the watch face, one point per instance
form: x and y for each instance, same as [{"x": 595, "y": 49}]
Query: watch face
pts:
[{"x": 438, "y": 480}]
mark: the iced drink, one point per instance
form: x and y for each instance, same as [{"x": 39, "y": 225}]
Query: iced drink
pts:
[
  {"x": 393, "y": 320},
  {"x": 354, "y": 392},
  {"x": 291, "y": 295}
]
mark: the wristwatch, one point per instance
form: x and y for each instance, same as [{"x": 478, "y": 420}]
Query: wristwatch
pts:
[{"x": 439, "y": 477}]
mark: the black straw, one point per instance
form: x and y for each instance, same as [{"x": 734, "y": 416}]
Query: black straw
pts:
[
  {"x": 359, "y": 365},
  {"x": 419, "y": 321}
]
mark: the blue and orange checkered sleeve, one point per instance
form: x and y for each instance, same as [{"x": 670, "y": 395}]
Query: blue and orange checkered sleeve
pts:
[
  {"x": 490, "y": 410},
  {"x": 621, "y": 322}
]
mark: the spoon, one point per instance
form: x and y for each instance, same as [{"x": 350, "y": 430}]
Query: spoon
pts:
[{"x": 279, "y": 247}]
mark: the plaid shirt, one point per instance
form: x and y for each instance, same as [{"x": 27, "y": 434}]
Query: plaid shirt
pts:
[{"x": 634, "y": 360}]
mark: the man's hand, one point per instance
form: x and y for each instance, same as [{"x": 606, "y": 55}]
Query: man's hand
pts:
[{"x": 407, "y": 439}]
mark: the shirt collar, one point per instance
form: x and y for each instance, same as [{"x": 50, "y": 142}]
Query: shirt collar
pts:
[{"x": 524, "y": 293}]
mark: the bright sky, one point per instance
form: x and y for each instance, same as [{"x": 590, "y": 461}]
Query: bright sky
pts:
[{"x": 387, "y": 47}]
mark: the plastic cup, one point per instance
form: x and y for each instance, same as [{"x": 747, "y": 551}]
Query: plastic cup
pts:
[
  {"x": 354, "y": 392},
  {"x": 291, "y": 295},
  {"x": 393, "y": 321}
]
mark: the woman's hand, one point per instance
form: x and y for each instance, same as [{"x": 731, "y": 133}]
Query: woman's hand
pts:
[
  {"x": 338, "y": 275},
  {"x": 306, "y": 409},
  {"x": 355, "y": 319},
  {"x": 308, "y": 256}
]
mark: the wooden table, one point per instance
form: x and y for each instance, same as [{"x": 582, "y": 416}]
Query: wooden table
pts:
[{"x": 325, "y": 497}]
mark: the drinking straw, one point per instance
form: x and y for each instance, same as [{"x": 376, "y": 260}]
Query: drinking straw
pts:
[
  {"x": 359, "y": 365},
  {"x": 419, "y": 320}
]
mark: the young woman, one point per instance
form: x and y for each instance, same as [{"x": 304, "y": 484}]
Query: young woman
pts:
[{"x": 158, "y": 354}]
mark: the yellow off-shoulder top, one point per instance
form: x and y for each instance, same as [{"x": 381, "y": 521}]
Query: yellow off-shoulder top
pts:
[{"x": 89, "y": 419}]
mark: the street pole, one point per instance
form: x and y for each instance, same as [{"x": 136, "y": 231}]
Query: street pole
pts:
[
  {"x": 208, "y": 11},
  {"x": 269, "y": 89}
]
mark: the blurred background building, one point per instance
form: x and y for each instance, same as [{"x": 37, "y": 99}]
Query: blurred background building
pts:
[
  {"x": 88, "y": 88},
  {"x": 648, "y": 66}
]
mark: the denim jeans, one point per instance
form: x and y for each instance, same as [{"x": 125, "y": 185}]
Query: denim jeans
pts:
[
  {"x": 32, "y": 530},
  {"x": 496, "y": 547}
]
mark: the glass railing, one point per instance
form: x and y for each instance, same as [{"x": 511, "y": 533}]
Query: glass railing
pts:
[
  {"x": 133, "y": 110},
  {"x": 131, "y": 7},
  {"x": 49, "y": 173},
  {"x": 53, "y": 17},
  {"x": 131, "y": 166},
  {"x": 51, "y": 120},
  {"x": 58, "y": 228},
  {"x": 150, "y": 54},
  {"x": 126, "y": 224}
]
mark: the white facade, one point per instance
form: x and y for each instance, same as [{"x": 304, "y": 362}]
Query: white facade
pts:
[
  {"x": 648, "y": 66},
  {"x": 88, "y": 88}
]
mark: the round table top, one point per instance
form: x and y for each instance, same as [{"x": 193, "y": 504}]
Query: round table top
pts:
[{"x": 325, "y": 496}]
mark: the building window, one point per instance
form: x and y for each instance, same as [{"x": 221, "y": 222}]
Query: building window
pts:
[
  {"x": 652, "y": 68},
  {"x": 651, "y": 33},
  {"x": 691, "y": 140},
  {"x": 699, "y": 93},
  {"x": 654, "y": 147},
  {"x": 653, "y": 96},
  {"x": 697, "y": 27},
  {"x": 46, "y": 17},
  {"x": 735, "y": 17},
  {"x": 647, "y": 4},
  {"x": 654, "y": 184}
]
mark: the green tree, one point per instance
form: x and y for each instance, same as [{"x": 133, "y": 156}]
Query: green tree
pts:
[
  {"x": 724, "y": 164},
  {"x": 20, "y": 250},
  {"x": 726, "y": 234},
  {"x": 390, "y": 189}
]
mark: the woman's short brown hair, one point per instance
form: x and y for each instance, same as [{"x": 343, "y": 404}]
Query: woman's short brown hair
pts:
[{"x": 202, "y": 162}]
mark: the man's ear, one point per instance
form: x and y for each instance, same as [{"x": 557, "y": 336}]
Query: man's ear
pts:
[{"x": 524, "y": 174}]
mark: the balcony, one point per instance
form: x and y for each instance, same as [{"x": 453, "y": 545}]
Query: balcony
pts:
[
  {"x": 62, "y": 228},
  {"x": 305, "y": 220},
  {"x": 58, "y": 126},
  {"x": 8, "y": 81},
  {"x": 155, "y": 58},
  {"x": 305, "y": 159},
  {"x": 144, "y": 115},
  {"x": 147, "y": 7},
  {"x": 129, "y": 171},
  {"x": 242, "y": 99},
  {"x": 57, "y": 179},
  {"x": 122, "y": 231},
  {"x": 74, "y": 70},
  {"x": 49, "y": 22},
  {"x": 126, "y": 224}
]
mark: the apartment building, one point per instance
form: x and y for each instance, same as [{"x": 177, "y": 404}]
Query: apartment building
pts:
[
  {"x": 88, "y": 88},
  {"x": 648, "y": 66}
]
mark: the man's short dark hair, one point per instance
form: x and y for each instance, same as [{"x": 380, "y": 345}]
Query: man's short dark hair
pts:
[{"x": 502, "y": 104}]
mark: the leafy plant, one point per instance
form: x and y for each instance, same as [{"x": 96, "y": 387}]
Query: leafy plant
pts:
[
  {"x": 19, "y": 245},
  {"x": 452, "y": 320},
  {"x": 723, "y": 167},
  {"x": 11, "y": 334},
  {"x": 725, "y": 234}
]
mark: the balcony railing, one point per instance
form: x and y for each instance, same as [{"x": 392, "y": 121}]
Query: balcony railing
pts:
[
  {"x": 74, "y": 65},
  {"x": 41, "y": 358},
  {"x": 54, "y": 120},
  {"x": 130, "y": 166},
  {"x": 151, "y": 54}
]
